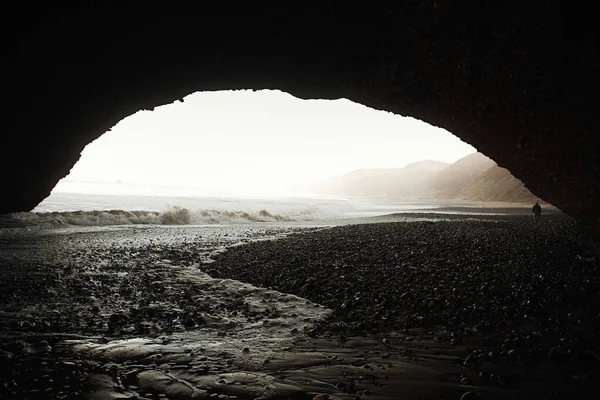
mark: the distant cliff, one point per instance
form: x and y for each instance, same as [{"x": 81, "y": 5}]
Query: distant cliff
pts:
[{"x": 473, "y": 178}]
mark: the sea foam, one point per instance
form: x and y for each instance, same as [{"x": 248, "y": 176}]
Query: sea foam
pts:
[{"x": 173, "y": 216}]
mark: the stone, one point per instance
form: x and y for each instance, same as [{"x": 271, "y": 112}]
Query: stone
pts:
[
  {"x": 542, "y": 127},
  {"x": 38, "y": 348}
]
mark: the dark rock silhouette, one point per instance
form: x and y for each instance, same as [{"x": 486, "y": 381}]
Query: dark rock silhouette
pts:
[{"x": 516, "y": 80}]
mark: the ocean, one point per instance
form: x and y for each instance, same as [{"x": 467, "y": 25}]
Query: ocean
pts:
[{"x": 93, "y": 209}]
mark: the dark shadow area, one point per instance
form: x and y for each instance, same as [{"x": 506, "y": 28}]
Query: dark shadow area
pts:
[
  {"x": 517, "y": 81},
  {"x": 445, "y": 305}
]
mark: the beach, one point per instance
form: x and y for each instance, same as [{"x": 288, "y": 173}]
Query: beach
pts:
[
  {"x": 436, "y": 306},
  {"x": 515, "y": 297}
]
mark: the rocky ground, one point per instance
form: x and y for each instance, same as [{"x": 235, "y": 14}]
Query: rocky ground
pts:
[
  {"x": 520, "y": 299},
  {"x": 84, "y": 312},
  {"x": 446, "y": 307}
]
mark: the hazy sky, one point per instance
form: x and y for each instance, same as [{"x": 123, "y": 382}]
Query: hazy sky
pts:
[{"x": 265, "y": 141}]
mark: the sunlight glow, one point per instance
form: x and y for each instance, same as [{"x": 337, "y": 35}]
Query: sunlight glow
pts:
[{"x": 246, "y": 142}]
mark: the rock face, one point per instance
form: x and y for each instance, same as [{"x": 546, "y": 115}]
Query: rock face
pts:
[{"x": 517, "y": 80}]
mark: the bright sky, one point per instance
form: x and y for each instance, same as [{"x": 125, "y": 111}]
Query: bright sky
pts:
[{"x": 260, "y": 142}]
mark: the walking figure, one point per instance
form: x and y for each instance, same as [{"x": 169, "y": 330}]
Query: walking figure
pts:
[{"x": 537, "y": 211}]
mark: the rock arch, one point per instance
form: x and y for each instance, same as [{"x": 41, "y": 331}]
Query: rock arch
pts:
[{"x": 517, "y": 80}]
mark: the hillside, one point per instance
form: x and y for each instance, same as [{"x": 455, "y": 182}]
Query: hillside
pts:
[
  {"x": 477, "y": 178},
  {"x": 377, "y": 183},
  {"x": 472, "y": 178}
]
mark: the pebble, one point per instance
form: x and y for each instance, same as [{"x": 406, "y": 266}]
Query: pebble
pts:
[
  {"x": 38, "y": 348},
  {"x": 468, "y": 396}
]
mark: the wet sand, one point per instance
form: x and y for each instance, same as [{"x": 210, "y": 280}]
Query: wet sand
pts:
[{"x": 445, "y": 307}]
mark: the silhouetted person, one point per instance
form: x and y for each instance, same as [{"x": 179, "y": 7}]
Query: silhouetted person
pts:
[{"x": 537, "y": 211}]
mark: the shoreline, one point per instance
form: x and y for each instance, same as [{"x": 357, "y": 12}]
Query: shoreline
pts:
[{"x": 422, "y": 304}]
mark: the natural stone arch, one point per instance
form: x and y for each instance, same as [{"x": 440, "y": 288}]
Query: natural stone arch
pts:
[{"x": 517, "y": 81}]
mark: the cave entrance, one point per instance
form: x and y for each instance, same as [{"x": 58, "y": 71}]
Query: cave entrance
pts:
[{"x": 270, "y": 145}]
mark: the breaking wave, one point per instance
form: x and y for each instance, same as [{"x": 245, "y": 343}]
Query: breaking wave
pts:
[{"x": 173, "y": 216}]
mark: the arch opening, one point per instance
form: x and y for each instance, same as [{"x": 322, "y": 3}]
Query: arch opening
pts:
[{"x": 270, "y": 145}]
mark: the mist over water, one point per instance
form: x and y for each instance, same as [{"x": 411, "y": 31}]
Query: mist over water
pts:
[{"x": 120, "y": 209}]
